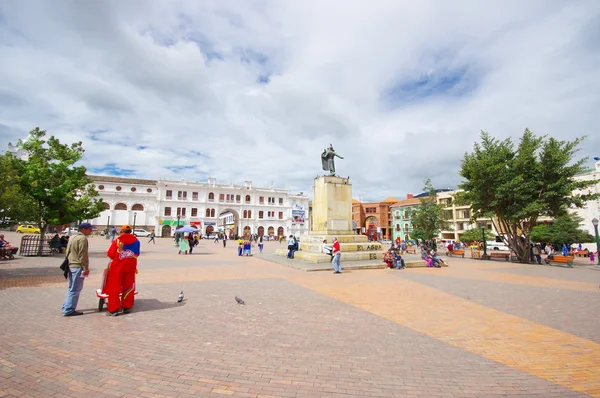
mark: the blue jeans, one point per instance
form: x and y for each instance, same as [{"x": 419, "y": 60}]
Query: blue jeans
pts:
[
  {"x": 337, "y": 266},
  {"x": 75, "y": 287}
]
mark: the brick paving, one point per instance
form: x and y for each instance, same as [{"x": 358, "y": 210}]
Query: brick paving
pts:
[{"x": 455, "y": 332}]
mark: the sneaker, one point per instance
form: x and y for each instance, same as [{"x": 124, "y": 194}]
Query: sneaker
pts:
[
  {"x": 116, "y": 313},
  {"x": 73, "y": 313}
]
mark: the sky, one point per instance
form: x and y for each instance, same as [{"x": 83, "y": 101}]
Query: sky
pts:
[{"x": 256, "y": 90}]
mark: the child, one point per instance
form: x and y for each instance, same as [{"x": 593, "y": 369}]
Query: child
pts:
[
  {"x": 592, "y": 257},
  {"x": 183, "y": 246},
  {"x": 398, "y": 260}
]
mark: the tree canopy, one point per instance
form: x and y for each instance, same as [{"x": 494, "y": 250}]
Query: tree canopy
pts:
[
  {"x": 428, "y": 219},
  {"x": 565, "y": 229},
  {"x": 515, "y": 186},
  {"x": 474, "y": 235},
  {"x": 50, "y": 189}
]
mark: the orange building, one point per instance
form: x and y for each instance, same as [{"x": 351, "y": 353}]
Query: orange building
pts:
[{"x": 373, "y": 219}]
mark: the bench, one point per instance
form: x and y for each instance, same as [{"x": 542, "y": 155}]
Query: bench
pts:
[
  {"x": 456, "y": 253},
  {"x": 499, "y": 254},
  {"x": 561, "y": 259},
  {"x": 411, "y": 249},
  {"x": 584, "y": 253}
]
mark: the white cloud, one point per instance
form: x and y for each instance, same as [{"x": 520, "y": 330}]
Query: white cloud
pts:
[{"x": 401, "y": 89}]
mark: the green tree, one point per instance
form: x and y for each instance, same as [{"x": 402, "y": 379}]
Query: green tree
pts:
[
  {"x": 14, "y": 205},
  {"x": 58, "y": 191},
  {"x": 429, "y": 218},
  {"x": 565, "y": 229},
  {"x": 514, "y": 187},
  {"x": 474, "y": 235}
]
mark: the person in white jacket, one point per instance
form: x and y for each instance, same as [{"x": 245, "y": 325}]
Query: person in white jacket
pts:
[{"x": 327, "y": 249}]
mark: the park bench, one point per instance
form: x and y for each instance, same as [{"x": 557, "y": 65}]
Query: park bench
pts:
[
  {"x": 584, "y": 253},
  {"x": 499, "y": 254},
  {"x": 456, "y": 253},
  {"x": 560, "y": 259},
  {"x": 411, "y": 249}
]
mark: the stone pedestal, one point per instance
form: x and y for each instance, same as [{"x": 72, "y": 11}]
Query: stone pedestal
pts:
[{"x": 332, "y": 217}]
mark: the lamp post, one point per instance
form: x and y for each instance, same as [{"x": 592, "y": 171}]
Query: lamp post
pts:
[
  {"x": 595, "y": 224},
  {"x": 134, "y": 217},
  {"x": 484, "y": 256},
  {"x": 107, "y": 227}
]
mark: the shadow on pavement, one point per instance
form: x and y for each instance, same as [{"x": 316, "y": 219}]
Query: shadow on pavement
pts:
[
  {"x": 31, "y": 271},
  {"x": 142, "y": 305}
]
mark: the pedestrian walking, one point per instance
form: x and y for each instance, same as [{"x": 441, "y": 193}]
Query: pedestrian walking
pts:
[
  {"x": 336, "y": 261},
  {"x": 224, "y": 240},
  {"x": 79, "y": 268},
  {"x": 184, "y": 246},
  {"x": 191, "y": 242},
  {"x": 152, "y": 236},
  {"x": 240, "y": 245},
  {"x": 120, "y": 281},
  {"x": 113, "y": 233},
  {"x": 260, "y": 244},
  {"x": 291, "y": 246}
]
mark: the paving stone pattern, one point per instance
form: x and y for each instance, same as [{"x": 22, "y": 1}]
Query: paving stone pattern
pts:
[{"x": 371, "y": 333}]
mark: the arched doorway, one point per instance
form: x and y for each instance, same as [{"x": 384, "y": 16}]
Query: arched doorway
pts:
[
  {"x": 209, "y": 229},
  {"x": 371, "y": 225},
  {"x": 280, "y": 232},
  {"x": 271, "y": 231},
  {"x": 165, "y": 231},
  {"x": 261, "y": 231},
  {"x": 246, "y": 231}
]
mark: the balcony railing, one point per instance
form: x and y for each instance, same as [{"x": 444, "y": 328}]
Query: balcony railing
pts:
[{"x": 211, "y": 200}]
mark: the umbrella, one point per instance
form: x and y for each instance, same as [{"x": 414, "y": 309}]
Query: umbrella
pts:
[{"x": 187, "y": 229}]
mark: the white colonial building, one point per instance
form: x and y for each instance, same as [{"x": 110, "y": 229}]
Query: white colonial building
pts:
[
  {"x": 591, "y": 209},
  {"x": 161, "y": 205}
]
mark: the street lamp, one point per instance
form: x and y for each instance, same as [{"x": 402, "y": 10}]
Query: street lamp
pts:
[
  {"x": 108, "y": 227},
  {"x": 595, "y": 224},
  {"x": 484, "y": 256},
  {"x": 134, "y": 217}
]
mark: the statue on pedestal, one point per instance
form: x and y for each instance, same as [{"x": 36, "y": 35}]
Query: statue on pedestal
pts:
[{"x": 327, "y": 160}]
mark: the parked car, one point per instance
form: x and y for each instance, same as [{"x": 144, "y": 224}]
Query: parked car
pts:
[
  {"x": 142, "y": 233},
  {"x": 492, "y": 245},
  {"x": 28, "y": 229},
  {"x": 70, "y": 231}
]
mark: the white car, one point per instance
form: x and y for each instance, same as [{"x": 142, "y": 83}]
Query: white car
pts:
[
  {"x": 142, "y": 233},
  {"x": 70, "y": 231}
]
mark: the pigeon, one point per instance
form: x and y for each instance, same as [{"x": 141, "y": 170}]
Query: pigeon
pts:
[
  {"x": 239, "y": 300},
  {"x": 180, "y": 298}
]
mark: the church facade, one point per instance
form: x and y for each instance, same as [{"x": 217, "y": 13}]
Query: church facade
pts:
[{"x": 163, "y": 205}]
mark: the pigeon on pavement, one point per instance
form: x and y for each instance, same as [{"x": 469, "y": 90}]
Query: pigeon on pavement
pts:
[
  {"x": 180, "y": 298},
  {"x": 239, "y": 300}
]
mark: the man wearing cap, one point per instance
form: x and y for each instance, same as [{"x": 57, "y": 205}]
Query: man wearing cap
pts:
[
  {"x": 79, "y": 265},
  {"x": 124, "y": 252}
]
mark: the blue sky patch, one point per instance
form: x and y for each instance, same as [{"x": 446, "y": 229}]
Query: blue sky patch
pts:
[
  {"x": 178, "y": 169},
  {"x": 442, "y": 83},
  {"x": 263, "y": 79},
  {"x": 112, "y": 169}
]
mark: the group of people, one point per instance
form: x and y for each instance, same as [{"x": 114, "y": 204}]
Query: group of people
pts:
[
  {"x": 120, "y": 280},
  {"x": 293, "y": 246},
  {"x": 187, "y": 243},
  {"x": 245, "y": 245},
  {"x": 393, "y": 259},
  {"x": 431, "y": 257}
]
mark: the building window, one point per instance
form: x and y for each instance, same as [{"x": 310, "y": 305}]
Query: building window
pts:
[
  {"x": 106, "y": 206},
  {"x": 120, "y": 206},
  {"x": 194, "y": 212},
  {"x": 149, "y": 190},
  {"x": 211, "y": 197},
  {"x": 249, "y": 213},
  {"x": 167, "y": 211},
  {"x": 397, "y": 227},
  {"x": 221, "y": 197},
  {"x": 195, "y": 195},
  {"x": 247, "y": 199},
  {"x": 261, "y": 214},
  {"x": 133, "y": 189},
  {"x": 100, "y": 187},
  {"x": 212, "y": 212},
  {"x": 118, "y": 188},
  {"x": 181, "y": 194},
  {"x": 181, "y": 211},
  {"x": 245, "y": 214},
  {"x": 261, "y": 199},
  {"x": 169, "y": 194},
  {"x": 281, "y": 201},
  {"x": 281, "y": 215},
  {"x": 207, "y": 212},
  {"x": 137, "y": 207},
  {"x": 238, "y": 198}
]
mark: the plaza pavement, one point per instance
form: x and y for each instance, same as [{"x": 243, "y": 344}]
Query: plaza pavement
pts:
[{"x": 473, "y": 329}]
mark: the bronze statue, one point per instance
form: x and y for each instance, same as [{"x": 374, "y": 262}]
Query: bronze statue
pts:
[{"x": 327, "y": 160}]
